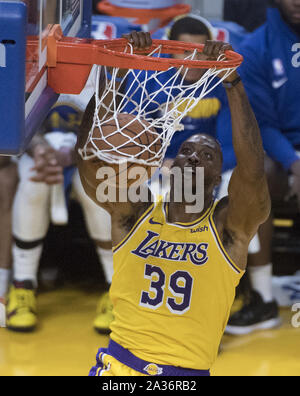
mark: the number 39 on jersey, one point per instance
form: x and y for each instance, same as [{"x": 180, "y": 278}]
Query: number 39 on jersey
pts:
[{"x": 180, "y": 284}]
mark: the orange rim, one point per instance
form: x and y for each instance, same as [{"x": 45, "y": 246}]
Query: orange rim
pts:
[
  {"x": 69, "y": 57},
  {"x": 117, "y": 47}
]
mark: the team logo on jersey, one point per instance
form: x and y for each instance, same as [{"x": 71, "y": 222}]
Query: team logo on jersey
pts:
[
  {"x": 152, "y": 246},
  {"x": 280, "y": 83},
  {"x": 153, "y": 222},
  {"x": 279, "y": 71},
  {"x": 278, "y": 67},
  {"x": 2, "y": 55},
  {"x": 63, "y": 118},
  {"x": 222, "y": 34},
  {"x": 153, "y": 369},
  {"x": 206, "y": 108},
  {"x": 104, "y": 30}
]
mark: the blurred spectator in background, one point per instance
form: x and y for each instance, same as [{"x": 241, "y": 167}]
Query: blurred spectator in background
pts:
[
  {"x": 95, "y": 9},
  {"x": 8, "y": 184},
  {"x": 45, "y": 171},
  {"x": 271, "y": 75},
  {"x": 250, "y": 14}
]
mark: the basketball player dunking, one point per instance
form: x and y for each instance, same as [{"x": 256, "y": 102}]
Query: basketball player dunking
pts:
[{"x": 175, "y": 273}]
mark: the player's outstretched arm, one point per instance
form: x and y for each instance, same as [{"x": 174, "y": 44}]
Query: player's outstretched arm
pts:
[{"x": 249, "y": 200}]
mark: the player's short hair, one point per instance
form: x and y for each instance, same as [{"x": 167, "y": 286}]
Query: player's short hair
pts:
[{"x": 190, "y": 25}]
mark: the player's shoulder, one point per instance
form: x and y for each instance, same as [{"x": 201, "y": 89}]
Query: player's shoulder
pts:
[
  {"x": 126, "y": 218},
  {"x": 234, "y": 242},
  {"x": 255, "y": 50},
  {"x": 230, "y": 32},
  {"x": 220, "y": 219},
  {"x": 256, "y": 42}
]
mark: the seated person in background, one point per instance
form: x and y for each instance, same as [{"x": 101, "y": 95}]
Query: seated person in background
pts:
[
  {"x": 8, "y": 184},
  {"x": 250, "y": 14},
  {"x": 95, "y": 4},
  {"x": 203, "y": 118},
  {"x": 271, "y": 74},
  {"x": 43, "y": 170}
]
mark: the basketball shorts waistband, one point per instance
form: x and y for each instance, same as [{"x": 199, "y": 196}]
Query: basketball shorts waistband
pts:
[{"x": 127, "y": 358}]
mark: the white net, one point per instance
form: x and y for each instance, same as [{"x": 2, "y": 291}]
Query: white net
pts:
[{"x": 156, "y": 103}]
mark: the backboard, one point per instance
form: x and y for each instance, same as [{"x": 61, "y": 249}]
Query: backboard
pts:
[{"x": 25, "y": 98}]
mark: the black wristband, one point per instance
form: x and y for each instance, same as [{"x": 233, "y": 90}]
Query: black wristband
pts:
[{"x": 229, "y": 85}]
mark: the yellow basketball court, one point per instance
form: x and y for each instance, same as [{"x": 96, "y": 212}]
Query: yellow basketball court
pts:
[{"x": 65, "y": 343}]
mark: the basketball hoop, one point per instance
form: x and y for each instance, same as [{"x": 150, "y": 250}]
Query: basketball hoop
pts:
[
  {"x": 145, "y": 15},
  {"x": 70, "y": 61},
  {"x": 172, "y": 97}
]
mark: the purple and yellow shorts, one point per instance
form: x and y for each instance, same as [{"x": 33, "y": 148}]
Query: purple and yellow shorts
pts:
[{"x": 118, "y": 361}]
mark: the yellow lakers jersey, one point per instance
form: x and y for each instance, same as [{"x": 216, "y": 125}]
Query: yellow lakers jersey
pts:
[{"x": 173, "y": 289}]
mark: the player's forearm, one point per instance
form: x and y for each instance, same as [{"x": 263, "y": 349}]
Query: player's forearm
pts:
[{"x": 247, "y": 141}]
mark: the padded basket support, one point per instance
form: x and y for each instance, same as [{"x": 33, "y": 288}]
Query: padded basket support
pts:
[{"x": 13, "y": 23}]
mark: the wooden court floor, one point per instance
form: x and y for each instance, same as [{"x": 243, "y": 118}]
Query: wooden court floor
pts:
[{"x": 65, "y": 343}]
